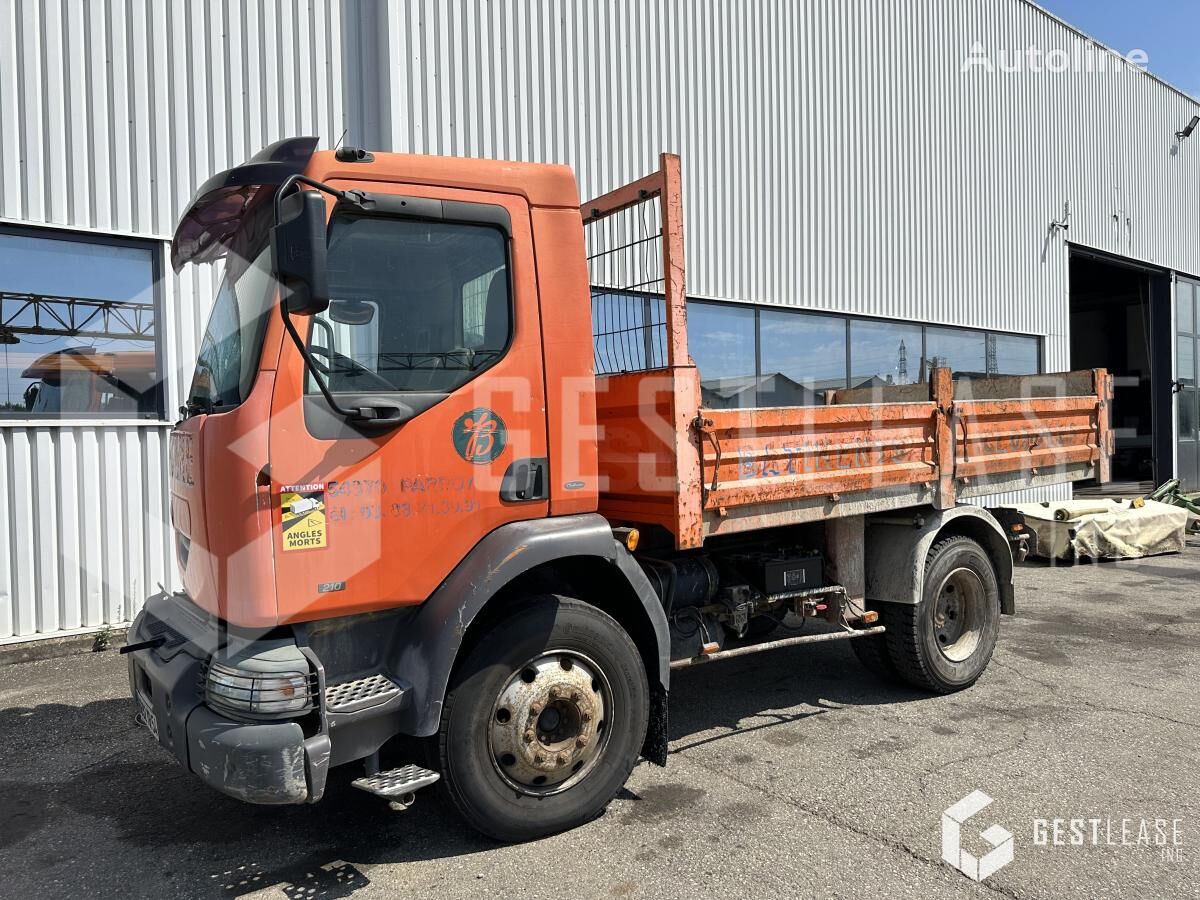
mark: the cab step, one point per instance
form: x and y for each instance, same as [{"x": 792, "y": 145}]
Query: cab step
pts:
[
  {"x": 397, "y": 785},
  {"x": 363, "y": 693}
]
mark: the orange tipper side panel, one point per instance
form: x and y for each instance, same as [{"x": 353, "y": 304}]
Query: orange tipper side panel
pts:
[
  {"x": 767, "y": 467},
  {"x": 637, "y": 457},
  {"x": 403, "y": 508},
  {"x": 787, "y": 453},
  {"x": 566, "y": 319},
  {"x": 999, "y": 436}
]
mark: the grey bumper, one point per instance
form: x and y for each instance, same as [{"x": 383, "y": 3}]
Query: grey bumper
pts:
[
  {"x": 260, "y": 762},
  {"x": 267, "y": 762}
]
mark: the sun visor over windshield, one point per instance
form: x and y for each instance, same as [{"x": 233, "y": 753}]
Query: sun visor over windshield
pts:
[{"x": 231, "y": 213}]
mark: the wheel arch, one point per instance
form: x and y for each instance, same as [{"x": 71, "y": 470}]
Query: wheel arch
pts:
[
  {"x": 895, "y": 551},
  {"x": 575, "y": 555}
]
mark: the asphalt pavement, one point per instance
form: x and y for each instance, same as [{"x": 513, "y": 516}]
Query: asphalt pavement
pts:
[{"x": 792, "y": 774}]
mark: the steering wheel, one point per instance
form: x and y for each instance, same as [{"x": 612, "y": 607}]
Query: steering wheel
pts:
[{"x": 348, "y": 368}]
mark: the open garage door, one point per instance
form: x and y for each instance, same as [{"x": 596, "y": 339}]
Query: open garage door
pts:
[{"x": 1187, "y": 382}]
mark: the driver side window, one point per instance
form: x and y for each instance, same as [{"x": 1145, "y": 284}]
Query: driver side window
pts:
[
  {"x": 344, "y": 347},
  {"x": 415, "y": 306}
]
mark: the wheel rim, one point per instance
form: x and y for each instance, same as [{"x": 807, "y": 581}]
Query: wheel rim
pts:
[
  {"x": 958, "y": 614},
  {"x": 550, "y": 722}
]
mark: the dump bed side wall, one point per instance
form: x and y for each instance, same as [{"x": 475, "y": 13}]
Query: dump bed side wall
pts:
[
  {"x": 769, "y": 467},
  {"x": 649, "y": 460},
  {"x": 763, "y": 468}
]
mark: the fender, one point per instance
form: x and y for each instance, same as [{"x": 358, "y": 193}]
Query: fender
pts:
[
  {"x": 896, "y": 548},
  {"x": 424, "y": 651}
]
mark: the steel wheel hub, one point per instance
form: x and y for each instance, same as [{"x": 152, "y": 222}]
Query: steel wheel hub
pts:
[
  {"x": 958, "y": 614},
  {"x": 549, "y": 723}
]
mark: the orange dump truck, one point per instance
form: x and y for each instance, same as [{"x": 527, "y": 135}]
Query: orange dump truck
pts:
[{"x": 418, "y": 534}]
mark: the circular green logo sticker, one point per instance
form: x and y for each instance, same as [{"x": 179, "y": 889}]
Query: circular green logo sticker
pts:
[{"x": 479, "y": 436}]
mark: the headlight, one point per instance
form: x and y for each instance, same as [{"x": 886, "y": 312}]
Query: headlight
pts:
[{"x": 270, "y": 694}]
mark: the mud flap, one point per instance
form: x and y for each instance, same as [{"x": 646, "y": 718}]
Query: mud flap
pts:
[{"x": 657, "y": 735}]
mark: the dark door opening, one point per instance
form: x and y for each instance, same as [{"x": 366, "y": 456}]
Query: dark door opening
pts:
[
  {"x": 1186, "y": 385},
  {"x": 1113, "y": 321}
]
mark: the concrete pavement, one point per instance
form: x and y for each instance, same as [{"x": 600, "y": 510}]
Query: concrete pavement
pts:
[{"x": 791, "y": 774}]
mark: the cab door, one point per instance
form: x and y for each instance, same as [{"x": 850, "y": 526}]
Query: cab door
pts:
[{"x": 433, "y": 321}]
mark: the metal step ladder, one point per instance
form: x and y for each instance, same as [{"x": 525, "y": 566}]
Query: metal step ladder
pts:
[{"x": 397, "y": 785}]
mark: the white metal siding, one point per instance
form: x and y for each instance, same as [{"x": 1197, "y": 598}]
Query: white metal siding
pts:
[
  {"x": 835, "y": 155},
  {"x": 112, "y": 112}
]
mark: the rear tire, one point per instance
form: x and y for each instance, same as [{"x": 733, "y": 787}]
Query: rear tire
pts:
[
  {"x": 872, "y": 651},
  {"x": 945, "y": 643},
  {"x": 544, "y": 720}
]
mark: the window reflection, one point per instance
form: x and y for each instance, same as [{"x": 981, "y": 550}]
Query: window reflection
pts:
[
  {"x": 884, "y": 353},
  {"x": 78, "y": 329}
]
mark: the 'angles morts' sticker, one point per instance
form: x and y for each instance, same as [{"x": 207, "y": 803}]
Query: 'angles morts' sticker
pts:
[
  {"x": 480, "y": 436},
  {"x": 303, "y": 508}
]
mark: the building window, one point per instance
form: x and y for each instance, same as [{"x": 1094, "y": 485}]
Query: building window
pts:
[
  {"x": 722, "y": 342},
  {"x": 629, "y": 331},
  {"x": 801, "y": 357},
  {"x": 754, "y": 356},
  {"x": 1014, "y": 354},
  {"x": 78, "y": 326},
  {"x": 885, "y": 353},
  {"x": 957, "y": 348}
]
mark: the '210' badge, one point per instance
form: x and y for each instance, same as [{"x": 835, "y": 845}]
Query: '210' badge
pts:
[{"x": 480, "y": 436}]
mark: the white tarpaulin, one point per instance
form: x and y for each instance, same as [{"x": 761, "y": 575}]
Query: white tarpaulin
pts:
[{"x": 1104, "y": 529}]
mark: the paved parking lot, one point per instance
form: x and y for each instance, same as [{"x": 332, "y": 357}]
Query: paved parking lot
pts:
[{"x": 791, "y": 774}]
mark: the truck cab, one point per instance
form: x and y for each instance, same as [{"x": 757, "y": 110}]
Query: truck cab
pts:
[{"x": 405, "y": 506}]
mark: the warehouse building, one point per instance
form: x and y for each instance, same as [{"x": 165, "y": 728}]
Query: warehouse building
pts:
[{"x": 871, "y": 189}]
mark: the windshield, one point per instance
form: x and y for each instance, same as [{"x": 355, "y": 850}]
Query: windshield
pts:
[
  {"x": 414, "y": 305},
  {"x": 228, "y": 357}
]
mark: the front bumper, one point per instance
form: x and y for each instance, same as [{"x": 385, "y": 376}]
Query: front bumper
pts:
[{"x": 259, "y": 762}]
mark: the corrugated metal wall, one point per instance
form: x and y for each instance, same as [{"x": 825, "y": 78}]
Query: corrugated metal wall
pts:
[
  {"x": 111, "y": 113},
  {"x": 836, "y": 155}
]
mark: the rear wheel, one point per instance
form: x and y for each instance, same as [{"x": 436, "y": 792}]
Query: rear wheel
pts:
[
  {"x": 872, "y": 652},
  {"x": 544, "y": 720},
  {"x": 945, "y": 642}
]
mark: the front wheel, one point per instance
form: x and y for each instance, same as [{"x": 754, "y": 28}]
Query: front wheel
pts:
[{"x": 544, "y": 720}]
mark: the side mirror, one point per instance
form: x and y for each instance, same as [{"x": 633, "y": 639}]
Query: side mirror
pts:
[
  {"x": 298, "y": 253},
  {"x": 351, "y": 312}
]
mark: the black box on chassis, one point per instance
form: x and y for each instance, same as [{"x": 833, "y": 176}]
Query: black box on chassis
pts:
[{"x": 775, "y": 574}]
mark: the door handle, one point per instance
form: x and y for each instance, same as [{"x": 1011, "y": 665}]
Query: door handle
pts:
[
  {"x": 525, "y": 480},
  {"x": 377, "y": 412}
]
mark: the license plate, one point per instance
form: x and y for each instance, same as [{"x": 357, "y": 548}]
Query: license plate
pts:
[{"x": 146, "y": 714}]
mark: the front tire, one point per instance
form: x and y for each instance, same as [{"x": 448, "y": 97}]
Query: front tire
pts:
[{"x": 544, "y": 720}]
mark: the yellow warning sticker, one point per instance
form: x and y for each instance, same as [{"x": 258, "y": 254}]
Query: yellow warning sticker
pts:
[{"x": 303, "y": 516}]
